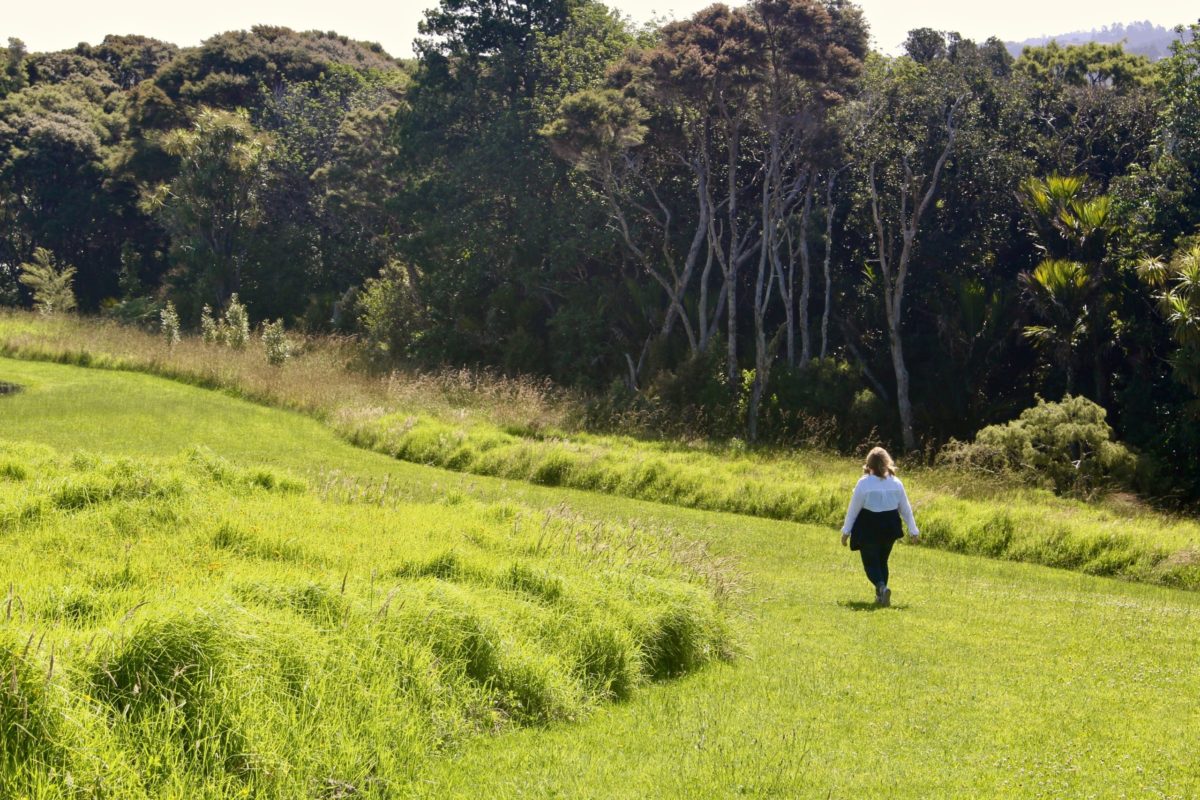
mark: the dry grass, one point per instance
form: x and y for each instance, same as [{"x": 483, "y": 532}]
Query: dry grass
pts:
[{"x": 323, "y": 379}]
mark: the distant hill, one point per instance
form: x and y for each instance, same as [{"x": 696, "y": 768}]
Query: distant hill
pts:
[{"x": 1144, "y": 38}]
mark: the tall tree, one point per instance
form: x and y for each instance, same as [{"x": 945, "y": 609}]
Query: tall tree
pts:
[
  {"x": 812, "y": 53},
  {"x": 1077, "y": 278},
  {"x": 56, "y": 144},
  {"x": 911, "y": 117},
  {"x": 213, "y": 205}
]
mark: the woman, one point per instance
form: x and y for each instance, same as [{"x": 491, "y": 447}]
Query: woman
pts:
[{"x": 873, "y": 520}]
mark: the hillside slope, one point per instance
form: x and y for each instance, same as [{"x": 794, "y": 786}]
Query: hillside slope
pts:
[{"x": 986, "y": 679}]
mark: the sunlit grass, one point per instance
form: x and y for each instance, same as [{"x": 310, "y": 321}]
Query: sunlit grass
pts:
[
  {"x": 187, "y": 625},
  {"x": 985, "y": 678},
  {"x": 523, "y": 430}
]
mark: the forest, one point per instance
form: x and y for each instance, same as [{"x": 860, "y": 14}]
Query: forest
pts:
[{"x": 742, "y": 224}]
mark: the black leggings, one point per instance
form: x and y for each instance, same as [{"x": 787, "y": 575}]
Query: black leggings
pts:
[{"x": 875, "y": 560}]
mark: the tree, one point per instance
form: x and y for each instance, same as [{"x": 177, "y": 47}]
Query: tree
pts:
[
  {"x": 1178, "y": 283},
  {"x": 57, "y": 142},
  {"x": 315, "y": 248},
  {"x": 1075, "y": 280},
  {"x": 212, "y": 206},
  {"x": 12, "y": 59},
  {"x": 911, "y": 115},
  {"x": 1092, "y": 108},
  {"x": 50, "y": 283},
  {"x": 811, "y": 56},
  {"x": 501, "y": 233}
]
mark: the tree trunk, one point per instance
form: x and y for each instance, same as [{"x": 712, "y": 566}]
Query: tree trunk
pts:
[
  {"x": 829, "y": 183},
  {"x": 731, "y": 266},
  {"x": 805, "y": 278},
  {"x": 903, "y": 403}
]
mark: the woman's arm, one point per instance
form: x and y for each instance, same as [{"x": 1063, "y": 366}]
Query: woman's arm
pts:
[
  {"x": 906, "y": 513},
  {"x": 856, "y": 504}
]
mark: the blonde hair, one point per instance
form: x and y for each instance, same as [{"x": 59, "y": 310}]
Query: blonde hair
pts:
[{"x": 879, "y": 463}]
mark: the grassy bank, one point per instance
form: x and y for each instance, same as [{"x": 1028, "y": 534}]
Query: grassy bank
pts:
[
  {"x": 191, "y": 628},
  {"x": 521, "y": 430}
]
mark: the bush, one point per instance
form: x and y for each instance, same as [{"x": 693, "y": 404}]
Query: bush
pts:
[
  {"x": 821, "y": 404},
  {"x": 276, "y": 343},
  {"x": 210, "y": 329},
  {"x": 1065, "y": 446},
  {"x": 231, "y": 330},
  {"x": 237, "y": 324},
  {"x": 389, "y": 312},
  {"x": 169, "y": 321}
]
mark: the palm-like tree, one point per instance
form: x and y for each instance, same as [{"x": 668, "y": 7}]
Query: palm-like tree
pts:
[
  {"x": 1058, "y": 290},
  {"x": 1073, "y": 231},
  {"x": 1179, "y": 302}
]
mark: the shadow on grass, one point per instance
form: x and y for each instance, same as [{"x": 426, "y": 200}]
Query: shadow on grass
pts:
[{"x": 867, "y": 605}]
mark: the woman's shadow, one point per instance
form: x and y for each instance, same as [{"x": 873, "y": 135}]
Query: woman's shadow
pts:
[{"x": 868, "y": 605}]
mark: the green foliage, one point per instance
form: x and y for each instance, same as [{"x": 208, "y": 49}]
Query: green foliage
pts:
[
  {"x": 822, "y": 404},
  {"x": 1178, "y": 284},
  {"x": 1066, "y": 446},
  {"x": 210, "y": 330},
  {"x": 276, "y": 343},
  {"x": 1092, "y": 64},
  {"x": 1072, "y": 291},
  {"x": 12, "y": 77},
  {"x": 389, "y": 311},
  {"x": 596, "y": 125},
  {"x": 52, "y": 285},
  {"x": 212, "y": 205},
  {"x": 235, "y": 327},
  {"x": 169, "y": 324}
]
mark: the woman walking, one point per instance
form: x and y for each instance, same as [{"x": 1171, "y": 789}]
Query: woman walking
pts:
[{"x": 873, "y": 519}]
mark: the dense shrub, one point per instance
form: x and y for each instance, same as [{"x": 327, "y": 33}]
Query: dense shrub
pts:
[
  {"x": 1066, "y": 446},
  {"x": 821, "y": 404},
  {"x": 388, "y": 311},
  {"x": 276, "y": 343}
]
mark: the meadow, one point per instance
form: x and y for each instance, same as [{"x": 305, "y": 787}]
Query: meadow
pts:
[
  {"x": 528, "y": 431},
  {"x": 324, "y": 621},
  {"x": 184, "y": 627}
]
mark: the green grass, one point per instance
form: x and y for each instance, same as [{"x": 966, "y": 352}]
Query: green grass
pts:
[
  {"x": 523, "y": 432},
  {"x": 986, "y": 679},
  {"x": 189, "y": 627},
  {"x": 1004, "y": 520}
]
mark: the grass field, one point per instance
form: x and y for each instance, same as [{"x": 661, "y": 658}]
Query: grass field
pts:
[
  {"x": 524, "y": 431},
  {"x": 986, "y": 678},
  {"x": 190, "y": 628}
]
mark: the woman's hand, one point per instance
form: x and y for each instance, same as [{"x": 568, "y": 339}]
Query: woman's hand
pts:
[{"x": 845, "y": 540}]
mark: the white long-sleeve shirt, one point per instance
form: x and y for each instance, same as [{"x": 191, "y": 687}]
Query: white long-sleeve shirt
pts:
[{"x": 880, "y": 494}]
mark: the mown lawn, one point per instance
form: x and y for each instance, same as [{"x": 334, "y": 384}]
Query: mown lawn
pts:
[{"x": 986, "y": 678}]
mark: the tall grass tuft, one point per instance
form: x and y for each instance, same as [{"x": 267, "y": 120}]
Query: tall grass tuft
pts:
[{"x": 196, "y": 628}]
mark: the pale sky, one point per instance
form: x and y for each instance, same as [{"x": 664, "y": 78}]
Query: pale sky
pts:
[{"x": 60, "y": 24}]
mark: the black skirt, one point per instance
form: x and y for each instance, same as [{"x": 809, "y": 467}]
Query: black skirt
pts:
[{"x": 875, "y": 528}]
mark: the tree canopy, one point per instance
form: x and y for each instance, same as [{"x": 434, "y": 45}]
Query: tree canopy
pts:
[{"x": 742, "y": 223}]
